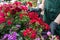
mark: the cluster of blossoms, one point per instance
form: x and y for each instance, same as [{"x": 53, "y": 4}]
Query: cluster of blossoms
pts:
[
  {"x": 16, "y": 19},
  {"x": 12, "y": 36},
  {"x": 5, "y": 9},
  {"x": 30, "y": 33},
  {"x": 2, "y": 18},
  {"x": 35, "y": 19}
]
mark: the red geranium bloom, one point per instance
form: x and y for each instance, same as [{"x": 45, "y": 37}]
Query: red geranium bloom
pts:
[
  {"x": 25, "y": 33},
  {"x": 30, "y": 29},
  {"x": 2, "y": 14},
  {"x": 0, "y": 8},
  {"x": 47, "y": 27},
  {"x": 7, "y": 9},
  {"x": 36, "y": 15},
  {"x": 30, "y": 33},
  {"x": 2, "y": 19},
  {"x": 17, "y": 3},
  {"x": 9, "y": 22},
  {"x": 24, "y": 8},
  {"x": 21, "y": 15},
  {"x": 33, "y": 15},
  {"x": 40, "y": 21},
  {"x": 33, "y": 36},
  {"x": 32, "y": 21},
  {"x": 13, "y": 12},
  {"x": 18, "y": 9},
  {"x": 30, "y": 4}
]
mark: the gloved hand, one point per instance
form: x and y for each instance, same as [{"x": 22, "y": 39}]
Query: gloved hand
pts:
[{"x": 41, "y": 6}]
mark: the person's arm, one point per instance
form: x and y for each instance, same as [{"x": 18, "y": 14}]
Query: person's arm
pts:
[
  {"x": 55, "y": 24},
  {"x": 43, "y": 1},
  {"x": 42, "y": 7},
  {"x": 42, "y": 4}
]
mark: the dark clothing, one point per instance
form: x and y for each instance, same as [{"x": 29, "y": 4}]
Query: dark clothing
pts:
[
  {"x": 53, "y": 27},
  {"x": 51, "y": 10}
]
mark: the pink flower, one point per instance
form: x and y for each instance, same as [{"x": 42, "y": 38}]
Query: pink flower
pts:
[
  {"x": 48, "y": 33},
  {"x": 37, "y": 39}
]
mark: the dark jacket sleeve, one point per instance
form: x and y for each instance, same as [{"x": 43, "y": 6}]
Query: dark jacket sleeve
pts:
[
  {"x": 35, "y": 9},
  {"x": 53, "y": 26}
]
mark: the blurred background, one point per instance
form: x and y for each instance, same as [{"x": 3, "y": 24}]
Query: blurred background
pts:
[{"x": 34, "y": 2}]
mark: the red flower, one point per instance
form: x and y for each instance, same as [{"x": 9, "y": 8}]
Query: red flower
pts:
[
  {"x": 24, "y": 8},
  {"x": 33, "y": 15},
  {"x": 40, "y": 21},
  {"x": 18, "y": 9},
  {"x": 25, "y": 33},
  {"x": 36, "y": 15},
  {"x": 2, "y": 19},
  {"x": 33, "y": 36},
  {"x": 17, "y": 3},
  {"x": 13, "y": 12},
  {"x": 47, "y": 27},
  {"x": 30, "y": 29},
  {"x": 21, "y": 15},
  {"x": 9, "y": 22},
  {"x": 0, "y": 7},
  {"x": 2, "y": 14},
  {"x": 57, "y": 37},
  {"x": 33, "y": 32},
  {"x": 30, "y": 33},
  {"x": 32, "y": 21},
  {"x": 7, "y": 9},
  {"x": 30, "y": 4},
  {"x": 5, "y": 5}
]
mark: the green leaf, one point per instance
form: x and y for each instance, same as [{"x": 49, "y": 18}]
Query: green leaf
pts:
[
  {"x": 20, "y": 37},
  {"x": 2, "y": 26}
]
